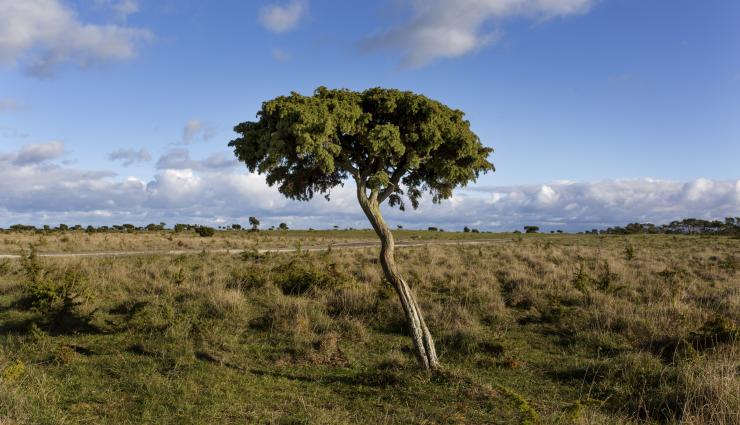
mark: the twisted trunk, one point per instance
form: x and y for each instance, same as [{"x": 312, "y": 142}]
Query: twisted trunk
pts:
[{"x": 423, "y": 342}]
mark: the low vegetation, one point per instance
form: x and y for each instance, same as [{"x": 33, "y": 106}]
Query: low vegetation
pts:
[{"x": 539, "y": 329}]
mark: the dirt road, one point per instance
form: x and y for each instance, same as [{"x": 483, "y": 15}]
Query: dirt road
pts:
[{"x": 313, "y": 248}]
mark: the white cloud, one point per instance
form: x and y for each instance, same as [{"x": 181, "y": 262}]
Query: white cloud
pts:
[
  {"x": 280, "y": 19},
  {"x": 42, "y": 34},
  {"x": 124, "y": 8},
  {"x": 36, "y": 191},
  {"x": 130, "y": 156},
  {"x": 179, "y": 159},
  {"x": 38, "y": 153},
  {"x": 440, "y": 29},
  {"x": 196, "y": 129}
]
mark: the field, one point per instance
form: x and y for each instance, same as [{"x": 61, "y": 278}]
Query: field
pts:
[{"x": 530, "y": 329}]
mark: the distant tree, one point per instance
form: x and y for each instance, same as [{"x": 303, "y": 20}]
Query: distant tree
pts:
[
  {"x": 254, "y": 223},
  {"x": 531, "y": 229},
  {"x": 63, "y": 227},
  {"x": 236, "y": 227},
  {"x": 466, "y": 229},
  {"x": 559, "y": 231},
  {"x": 399, "y": 227},
  {"x": 475, "y": 231},
  {"x": 432, "y": 229},
  {"x": 283, "y": 226},
  {"x": 335, "y": 227},
  {"x": 391, "y": 143}
]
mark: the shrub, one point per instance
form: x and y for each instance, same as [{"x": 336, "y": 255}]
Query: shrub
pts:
[
  {"x": 629, "y": 252},
  {"x": 52, "y": 291},
  {"x": 205, "y": 231},
  {"x": 300, "y": 280}
]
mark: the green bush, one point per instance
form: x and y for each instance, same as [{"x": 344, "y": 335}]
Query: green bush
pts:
[
  {"x": 53, "y": 291},
  {"x": 300, "y": 278},
  {"x": 205, "y": 231}
]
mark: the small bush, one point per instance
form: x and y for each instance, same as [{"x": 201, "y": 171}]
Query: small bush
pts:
[
  {"x": 300, "y": 278},
  {"x": 205, "y": 231},
  {"x": 247, "y": 279},
  {"x": 52, "y": 291}
]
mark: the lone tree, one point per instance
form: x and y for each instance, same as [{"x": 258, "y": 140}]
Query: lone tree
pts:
[
  {"x": 394, "y": 144},
  {"x": 255, "y": 223}
]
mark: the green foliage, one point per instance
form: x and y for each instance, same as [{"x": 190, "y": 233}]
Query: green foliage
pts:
[
  {"x": 53, "y": 291},
  {"x": 205, "y": 231},
  {"x": 297, "y": 278},
  {"x": 718, "y": 330},
  {"x": 310, "y": 144},
  {"x": 629, "y": 252}
]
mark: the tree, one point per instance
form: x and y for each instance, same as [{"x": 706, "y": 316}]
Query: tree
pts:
[
  {"x": 283, "y": 226},
  {"x": 531, "y": 229},
  {"x": 394, "y": 144},
  {"x": 466, "y": 229},
  {"x": 254, "y": 223}
]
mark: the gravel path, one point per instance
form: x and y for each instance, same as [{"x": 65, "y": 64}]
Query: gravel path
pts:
[{"x": 348, "y": 245}]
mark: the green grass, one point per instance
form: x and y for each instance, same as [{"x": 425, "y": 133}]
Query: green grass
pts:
[{"x": 538, "y": 330}]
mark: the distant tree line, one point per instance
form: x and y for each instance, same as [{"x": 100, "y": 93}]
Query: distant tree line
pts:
[
  {"x": 130, "y": 228},
  {"x": 688, "y": 226}
]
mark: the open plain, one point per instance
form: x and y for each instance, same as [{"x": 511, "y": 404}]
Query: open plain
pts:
[{"x": 530, "y": 329}]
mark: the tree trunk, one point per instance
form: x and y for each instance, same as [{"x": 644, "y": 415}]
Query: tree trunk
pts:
[{"x": 423, "y": 342}]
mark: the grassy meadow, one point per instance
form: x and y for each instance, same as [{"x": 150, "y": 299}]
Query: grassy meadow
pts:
[{"x": 536, "y": 329}]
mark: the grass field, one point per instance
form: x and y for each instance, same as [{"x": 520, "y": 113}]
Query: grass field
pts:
[
  {"x": 538, "y": 329},
  {"x": 79, "y": 241}
]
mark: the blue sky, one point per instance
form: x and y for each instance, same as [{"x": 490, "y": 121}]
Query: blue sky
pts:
[{"x": 600, "y": 111}]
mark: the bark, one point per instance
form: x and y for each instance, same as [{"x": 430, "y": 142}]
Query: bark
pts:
[{"x": 423, "y": 342}]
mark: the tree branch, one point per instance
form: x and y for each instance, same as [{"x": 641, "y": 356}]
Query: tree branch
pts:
[{"x": 393, "y": 182}]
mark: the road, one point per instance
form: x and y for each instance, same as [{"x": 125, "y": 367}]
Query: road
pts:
[{"x": 314, "y": 248}]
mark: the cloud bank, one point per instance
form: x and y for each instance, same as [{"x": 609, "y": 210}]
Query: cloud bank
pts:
[
  {"x": 39, "y": 35},
  {"x": 129, "y": 157},
  {"x": 34, "y": 189},
  {"x": 442, "y": 29}
]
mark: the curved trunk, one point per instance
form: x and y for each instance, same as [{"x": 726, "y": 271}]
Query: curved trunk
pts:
[{"x": 423, "y": 342}]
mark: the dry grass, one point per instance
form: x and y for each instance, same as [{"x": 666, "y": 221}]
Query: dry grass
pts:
[{"x": 544, "y": 329}]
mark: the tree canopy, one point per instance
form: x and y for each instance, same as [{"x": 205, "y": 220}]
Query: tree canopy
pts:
[{"x": 397, "y": 144}]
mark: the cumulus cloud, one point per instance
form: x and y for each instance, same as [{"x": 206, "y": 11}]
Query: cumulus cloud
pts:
[
  {"x": 278, "y": 19},
  {"x": 35, "y": 190},
  {"x": 124, "y": 8},
  {"x": 130, "y": 156},
  {"x": 36, "y": 153},
  {"x": 196, "y": 129},
  {"x": 179, "y": 159},
  {"x": 42, "y": 34},
  {"x": 439, "y": 29}
]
